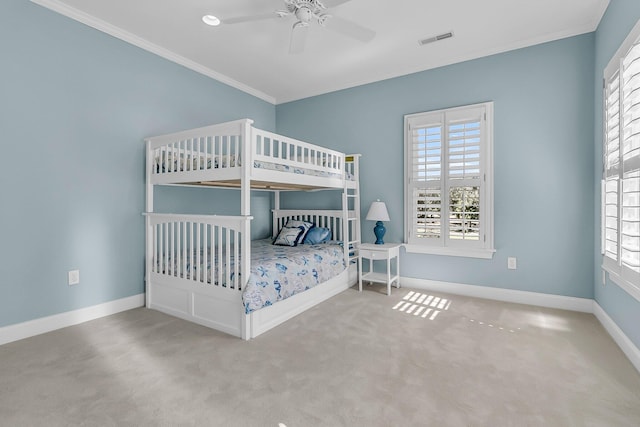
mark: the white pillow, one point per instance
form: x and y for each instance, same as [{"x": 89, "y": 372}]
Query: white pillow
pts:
[{"x": 289, "y": 236}]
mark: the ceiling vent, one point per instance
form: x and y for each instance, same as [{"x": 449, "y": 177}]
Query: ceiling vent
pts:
[{"x": 436, "y": 38}]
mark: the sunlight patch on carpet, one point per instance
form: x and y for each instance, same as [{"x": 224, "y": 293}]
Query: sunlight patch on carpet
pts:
[
  {"x": 422, "y": 305},
  {"x": 502, "y": 328},
  {"x": 550, "y": 321}
]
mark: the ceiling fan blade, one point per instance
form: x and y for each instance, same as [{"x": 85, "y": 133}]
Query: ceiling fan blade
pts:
[
  {"x": 250, "y": 18},
  {"x": 349, "y": 28},
  {"x": 298, "y": 37},
  {"x": 333, "y": 3}
]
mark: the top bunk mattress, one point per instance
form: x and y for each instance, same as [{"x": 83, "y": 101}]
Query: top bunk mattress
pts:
[{"x": 168, "y": 164}]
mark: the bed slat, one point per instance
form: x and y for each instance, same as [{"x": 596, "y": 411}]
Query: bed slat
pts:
[{"x": 183, "y": 245}]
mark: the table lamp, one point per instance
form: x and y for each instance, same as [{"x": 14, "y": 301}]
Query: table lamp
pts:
[{"x": 378, "y": 212}]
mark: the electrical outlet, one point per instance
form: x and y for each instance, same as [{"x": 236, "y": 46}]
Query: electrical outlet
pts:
[
  {"x": 604, "y": 277},
  {"x": 512, "y": 263},
  {"x": 74, "y": 277}
]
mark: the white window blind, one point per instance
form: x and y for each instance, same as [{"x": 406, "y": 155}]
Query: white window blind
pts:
[
  {"x": 621, "y": 166},
  {"x": 448, "y": 181}
]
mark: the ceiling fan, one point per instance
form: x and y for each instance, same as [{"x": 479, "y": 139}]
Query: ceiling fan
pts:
[{"x": 306, "y": 11}]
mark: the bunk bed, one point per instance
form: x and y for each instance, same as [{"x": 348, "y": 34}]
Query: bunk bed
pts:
[{"x": 196, "y": 264}]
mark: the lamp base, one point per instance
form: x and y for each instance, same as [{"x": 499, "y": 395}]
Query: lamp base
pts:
[{"x": 379, "y": 231}]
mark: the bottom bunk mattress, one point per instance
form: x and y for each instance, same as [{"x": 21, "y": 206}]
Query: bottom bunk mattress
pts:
[{"x": 277, "y": 272}]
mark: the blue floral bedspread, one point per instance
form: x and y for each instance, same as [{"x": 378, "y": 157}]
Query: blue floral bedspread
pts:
[{"x": 278, "y": 272}]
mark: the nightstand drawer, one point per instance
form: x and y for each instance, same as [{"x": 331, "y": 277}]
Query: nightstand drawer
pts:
[{"x": 364, "y": 253}]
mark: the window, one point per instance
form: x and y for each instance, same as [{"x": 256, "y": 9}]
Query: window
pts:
[
  {"x": 621, "y": 166},
  {"x": 448, "y": 181}
]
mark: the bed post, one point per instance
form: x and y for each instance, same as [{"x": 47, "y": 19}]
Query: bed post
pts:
[
  {"x": 147, "y": 222},
  {"x": 344, "y": 224},
  {"x": 245, "y": 266},
  {"x": 248, "y": 146},
  {"x": 356, "y": 203},
  {"x": 274, "y": 214},
  {"x": 276, "y": 200}
]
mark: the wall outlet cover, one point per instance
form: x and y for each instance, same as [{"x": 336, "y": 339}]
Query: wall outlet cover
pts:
[{"x": 74, "y": 277}]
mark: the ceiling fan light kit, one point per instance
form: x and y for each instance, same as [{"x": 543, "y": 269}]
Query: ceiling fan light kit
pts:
[
  {"x": 306, "y": 11},
  {"x": 214, "y": 21}
]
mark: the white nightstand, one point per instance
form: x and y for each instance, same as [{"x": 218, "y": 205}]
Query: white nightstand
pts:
[{"x": 385, "y": 252}]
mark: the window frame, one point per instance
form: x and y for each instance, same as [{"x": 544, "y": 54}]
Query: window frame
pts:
[
  {"x": 622, "y": 276},
  {"x": 483, "y": 248}
]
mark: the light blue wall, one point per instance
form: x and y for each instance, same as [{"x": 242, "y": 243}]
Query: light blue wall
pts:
[
  {"x": 75, "y": 105},
  {"x": 543, "y": 158},
  {"x": 74, "y": 100},
  {"x": 614, "y": 27}
]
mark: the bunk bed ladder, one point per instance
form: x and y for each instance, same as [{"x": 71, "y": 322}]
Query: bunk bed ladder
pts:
[{"x": 351, "y": 214}]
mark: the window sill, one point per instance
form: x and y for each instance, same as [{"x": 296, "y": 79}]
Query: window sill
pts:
[
  {"x": 626, "y": 286},
  {"x": 459, "y": 252}
]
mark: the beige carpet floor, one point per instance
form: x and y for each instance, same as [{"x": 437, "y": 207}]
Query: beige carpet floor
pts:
[{"x": 360, "y": 359}]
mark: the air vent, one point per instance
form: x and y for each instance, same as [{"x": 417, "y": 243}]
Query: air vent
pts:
[{"x": 435, "y": 38}]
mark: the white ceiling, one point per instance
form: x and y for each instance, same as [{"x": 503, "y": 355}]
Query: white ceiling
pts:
[{"x": 254, "y": 56}]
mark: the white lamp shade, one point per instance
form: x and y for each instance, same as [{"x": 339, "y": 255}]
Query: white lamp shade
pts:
[{"x": 378, "y": 212}]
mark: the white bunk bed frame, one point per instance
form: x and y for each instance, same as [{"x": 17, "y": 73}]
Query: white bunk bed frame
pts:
[{"x": 233, "y": 155}]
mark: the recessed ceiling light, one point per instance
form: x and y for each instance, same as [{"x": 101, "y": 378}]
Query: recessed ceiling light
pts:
[{"x": 211, "y": 20}]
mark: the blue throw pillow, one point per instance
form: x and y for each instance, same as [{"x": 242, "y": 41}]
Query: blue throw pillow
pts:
[
  {"x": 305, "y": 226},
  {"x": 317, "y": 235}
]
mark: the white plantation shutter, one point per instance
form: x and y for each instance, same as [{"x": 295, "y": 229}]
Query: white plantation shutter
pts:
[
  {"x": 464, "y": 155},
  {"x": 448, "y": 156},
  {"x": 630, "y": 153},
  {"x": 621, "y": 166},
  {"x": 427, "y": 216},
  {"x": 426, "y": 176},
  {"x": 611, "y": 169}
]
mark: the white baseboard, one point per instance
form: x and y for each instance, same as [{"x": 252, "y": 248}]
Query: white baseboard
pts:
[
  {"x": 625, "y": 344},
  {"x": 57, "y": 321},
  {"x": 532, "y": 298},
  {"x": 508, "y": 295}
]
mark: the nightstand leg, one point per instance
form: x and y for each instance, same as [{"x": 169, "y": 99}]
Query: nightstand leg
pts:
[
  {"x": 398, "y": 272},
  {"x": 388, "y": 276}
]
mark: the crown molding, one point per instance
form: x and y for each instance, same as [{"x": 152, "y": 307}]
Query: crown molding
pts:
[
  {"x": 112, "y": 30},
  {"x": 310, "y": 92}
]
